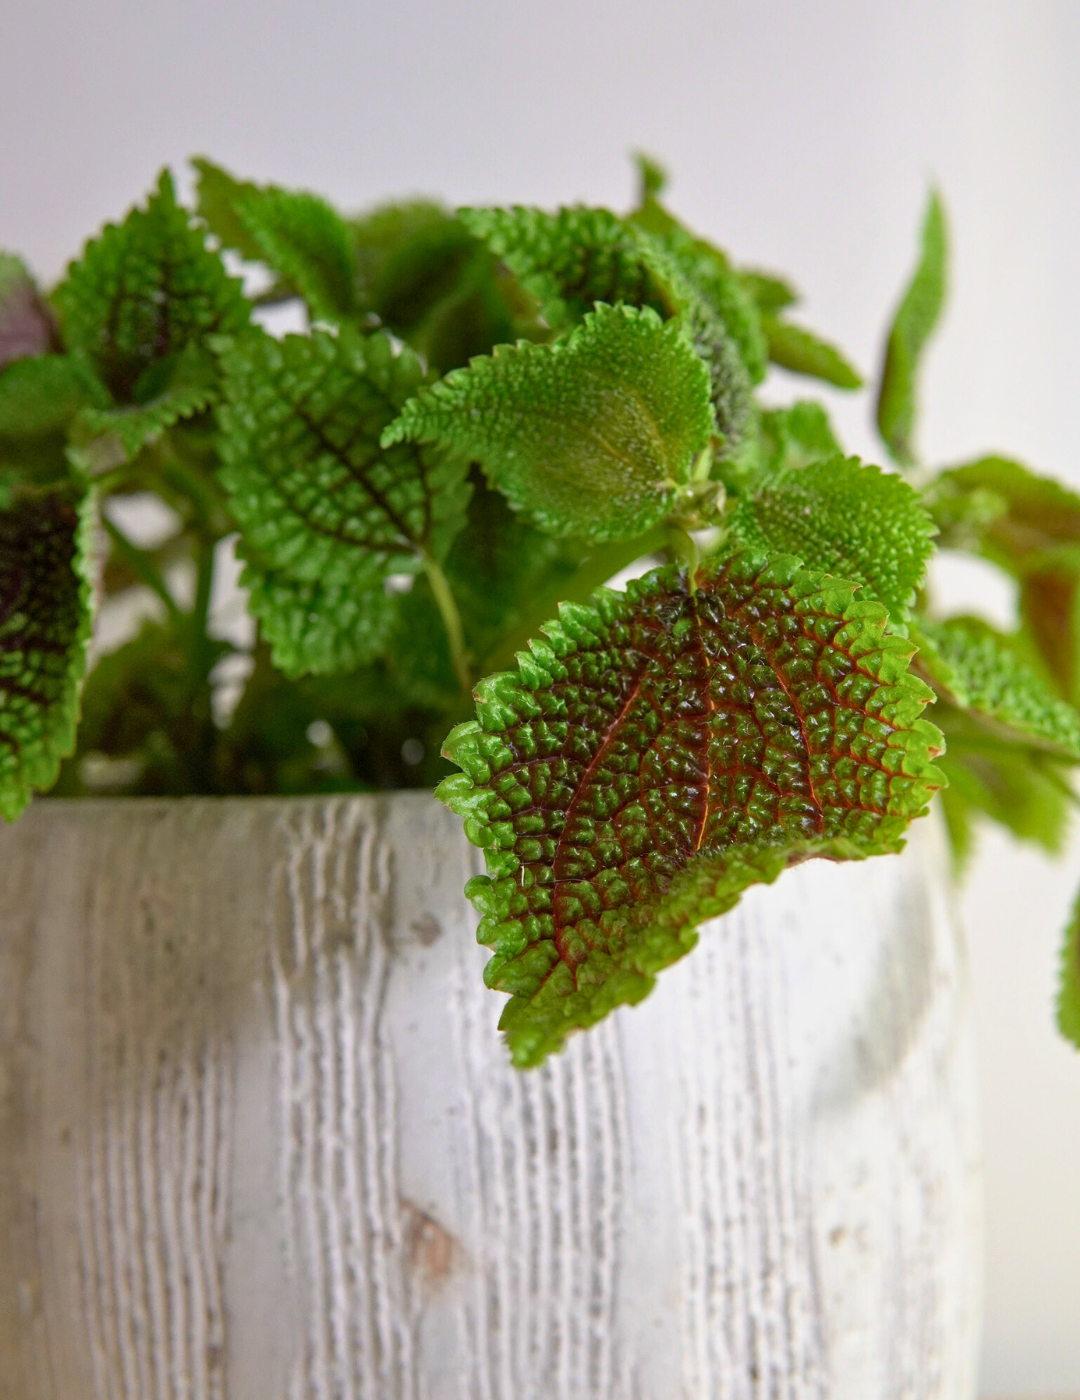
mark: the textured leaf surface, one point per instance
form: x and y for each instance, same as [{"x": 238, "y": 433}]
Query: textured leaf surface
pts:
[
  {"x": 590, "y": 436},
  {"x": 26, "y": 324},
  {"x": 658, "y": 751},
  {"x": 801, "y": 351},
  {"x": 143, "y": 290},
  {"x": 981, "y": 672},
  {"x": 914, "y": 323},
  {"x": 301, "y": 237},
  {"x": 45, "y": 621},
  {"x": 576, "y": 257},
  {"x": 1068, "y": 1004},
  {"x": 319, "y": 502},
  {"x": 568, "y": 260},
  {"x": 319, "y": 628},
  {"x": 843, "y": 518}
]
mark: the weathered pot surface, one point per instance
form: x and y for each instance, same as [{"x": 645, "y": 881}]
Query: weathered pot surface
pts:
[{"x": 259, "y": 1139}]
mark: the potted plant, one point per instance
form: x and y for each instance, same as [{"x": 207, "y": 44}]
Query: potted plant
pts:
[{"x": 490, "y": 414}]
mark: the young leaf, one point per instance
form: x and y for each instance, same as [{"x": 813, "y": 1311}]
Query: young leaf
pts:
[
  {"x": 843, "y": 518},
  {"x": 26, "y": 324},
  {"x": 979, "y": 671},
  {"x": 915, "y": 319},
  {"x": 145, "y": 289},
  {"x": 590, "y": 436},
  {"x": 658, "y": 751},
  {"x": 1068, "y": 1004},
  {"x": 319, "y": 502},
  {"x": 45, "y": 622},
  {"x": 802, "y": 352}
]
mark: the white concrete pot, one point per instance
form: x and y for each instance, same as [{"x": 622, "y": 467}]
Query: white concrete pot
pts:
[{"x": 259, "y": 1139}]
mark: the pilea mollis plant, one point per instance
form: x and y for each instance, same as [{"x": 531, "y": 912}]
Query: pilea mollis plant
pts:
[{"x": 489, "y": 414}]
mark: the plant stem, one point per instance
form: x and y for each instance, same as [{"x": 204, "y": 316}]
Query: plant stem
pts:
[
  {"x": 602, "y": 564},
  {"x": 684, "y": 547},
  {"x": 451, "y": 621},
  {"x": 140, "y": 565}
]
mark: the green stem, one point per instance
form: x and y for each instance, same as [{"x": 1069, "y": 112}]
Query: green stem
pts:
[
  {"x": 142, "y": 568},
  {"x": 602, "y": 564},
  {"x": 451, "y": 621}
]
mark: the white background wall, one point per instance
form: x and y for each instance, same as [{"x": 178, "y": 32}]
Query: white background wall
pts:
[{"x": 802, "y": 136}]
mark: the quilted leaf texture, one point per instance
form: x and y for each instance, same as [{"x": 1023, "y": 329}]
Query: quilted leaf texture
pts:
[
  {"x": 847, "y": 518},
  {"x": 589, "y": 437},
  {"x": 568, "y": 260},
  {"x": 325, "y": 512},
  {"x": 145, "y": 289},
  {"x": 45, "y": 622},
  {"x": 658, "y": 751}
]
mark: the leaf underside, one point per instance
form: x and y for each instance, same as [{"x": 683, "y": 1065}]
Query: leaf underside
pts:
[
  {"x": 588, "y": 437},
  {"x": 26, "y": 325},
  {"x": 658, "y": 751},
  {"x": 979, "y": 671},
  {"x": 45, "y": 622}
]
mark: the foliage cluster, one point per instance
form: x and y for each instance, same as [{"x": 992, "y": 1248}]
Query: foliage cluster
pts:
[{"x": 489, "y": 414}]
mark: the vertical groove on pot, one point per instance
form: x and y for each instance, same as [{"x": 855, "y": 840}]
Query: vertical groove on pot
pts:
[
  {"x": 750, "y": 1316},
  {"x": 541, "y": 1165},
  {"x": 150, "y": 1167},
  {"x": 330, "y": 963}
]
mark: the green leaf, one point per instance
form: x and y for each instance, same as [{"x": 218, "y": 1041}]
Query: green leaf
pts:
[
  {"x": 802, "y": 352},
  {"x": 577, "y": 257},
  {"x": 1030, "y": 526},
  {"x": 1068, "y": 1003},
  {"x": 218, "y": 196},
  {"x": 104, "y": 437},
  {"x": 39, "y": 397},
  {"x": 1020, "y": 787},
  {"x": 770, "y": 292},
  {"x": 844, "y": 518},
  {"x": 45, "y": 623},
  {"x": 658, "y": 751},
  {"x": 145, "y": 289},
  {"x": 319, "y": 628},
  {"x": 979, "y": 670},
  {"x": 297, "y": 234},
  {"x": 326, "y": 513},
  {"x": 26, "y": 324},
  {"x": 796, "y": 436},
  {"x": 569, "y": 260},
  {"x": 652, "y": 176},
  {"x": 914, "y": 323},
  {"x": 591, "y": 436},
  {"x": 305, "y": 240}
]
